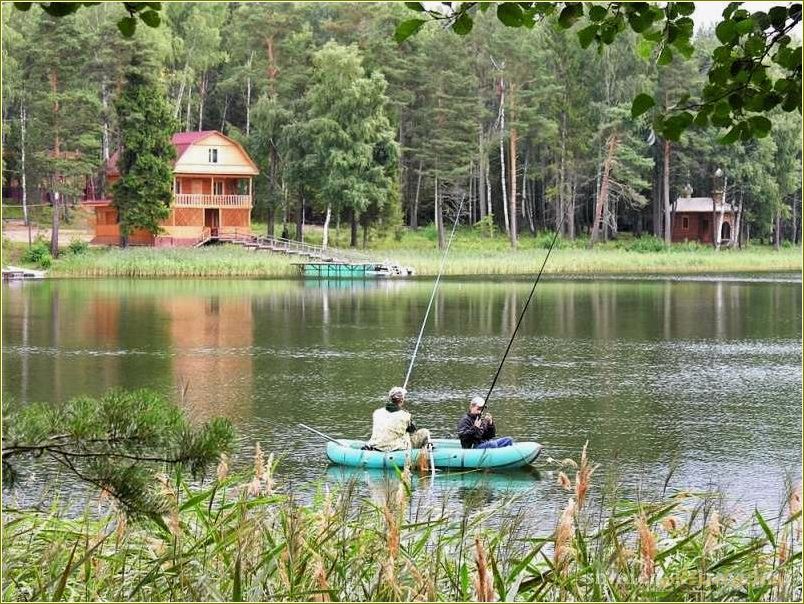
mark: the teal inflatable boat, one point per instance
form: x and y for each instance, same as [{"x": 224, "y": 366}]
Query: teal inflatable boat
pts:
[{"x": 446, "y": 454}]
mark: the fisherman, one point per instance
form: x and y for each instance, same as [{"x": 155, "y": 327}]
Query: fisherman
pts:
[
  {"x": 477, "y": 431},
  {"x": 393, "y": 428}
]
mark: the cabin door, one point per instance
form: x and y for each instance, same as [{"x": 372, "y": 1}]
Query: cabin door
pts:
[{"x": 212, "y": 220}]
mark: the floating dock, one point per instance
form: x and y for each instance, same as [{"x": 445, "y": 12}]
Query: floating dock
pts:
[{"x": 351, "y": 270}]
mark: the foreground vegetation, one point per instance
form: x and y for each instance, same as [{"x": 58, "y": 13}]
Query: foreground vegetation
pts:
[
  {"x": 243, "y": 538},
  {"x": 471, "y": 254}
]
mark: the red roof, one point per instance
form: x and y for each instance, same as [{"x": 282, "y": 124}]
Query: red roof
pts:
[{"x": 181, "y": 141}]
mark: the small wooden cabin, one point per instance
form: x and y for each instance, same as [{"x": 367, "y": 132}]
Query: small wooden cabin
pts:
[
  {"x": 212, "y": 194},
  {"x": 697, "y": 218}
]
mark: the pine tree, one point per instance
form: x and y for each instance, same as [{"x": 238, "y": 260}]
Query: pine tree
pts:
[{"x": 144, "y": 192}]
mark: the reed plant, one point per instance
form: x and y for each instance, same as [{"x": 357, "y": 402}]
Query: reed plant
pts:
[{"x": 242, "y": 537}]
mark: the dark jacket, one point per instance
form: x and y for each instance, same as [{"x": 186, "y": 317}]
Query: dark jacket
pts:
[{"x": 471, "y": 435}]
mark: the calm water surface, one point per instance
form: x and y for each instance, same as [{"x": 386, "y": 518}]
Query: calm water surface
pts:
[{"x": 703, "y": 375}]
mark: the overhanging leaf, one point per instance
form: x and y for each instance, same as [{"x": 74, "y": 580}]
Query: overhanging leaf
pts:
[
  {"x": 587, "y": 35},
  {"x": 151, "y": 18},
  {"x": 127, "y": 26},
  {"x": 407, "y": 28},
  {"x": 510, "y": 13},
  {"x": 642, "y": 103},
  {"x": 463, "y": 24}
]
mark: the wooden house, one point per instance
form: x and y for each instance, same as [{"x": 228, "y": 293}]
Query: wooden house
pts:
[
  {"x": 212, "y": 194},
  {"x": 699, "y": 218}
]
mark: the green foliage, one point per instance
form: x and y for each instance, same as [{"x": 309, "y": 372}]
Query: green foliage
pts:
[
  {"x": 144, "y": 191},
  {"x": 38, "y": 254},
  {"x": 647, "y": 243},
  {"x": 114, "y": 442},
  {"x": 147, "y": 12},
  {"x": 486, "y": 226},
  {"x": 249, "y": 537},
  {"x": 756, "y": 69},
  {"x": 78, "y": 247}
]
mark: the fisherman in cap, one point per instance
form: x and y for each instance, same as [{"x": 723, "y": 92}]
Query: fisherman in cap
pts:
[
  {"x": 393, "y": 428},
  {"x": 477, "y": 431}
]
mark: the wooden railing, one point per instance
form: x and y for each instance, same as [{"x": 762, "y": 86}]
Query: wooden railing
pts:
[{"x": 197, "y": 200}]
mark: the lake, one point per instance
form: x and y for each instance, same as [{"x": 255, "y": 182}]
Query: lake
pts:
[{"x": 698, "y": 376}]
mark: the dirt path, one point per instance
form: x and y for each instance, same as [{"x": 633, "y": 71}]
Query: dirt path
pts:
[{"x": 17, "y": 232}]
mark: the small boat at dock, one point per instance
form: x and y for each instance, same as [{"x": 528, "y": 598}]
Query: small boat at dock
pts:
[
  {"x": 16, "y": 273},
  {"x": 447, "y": 453}
]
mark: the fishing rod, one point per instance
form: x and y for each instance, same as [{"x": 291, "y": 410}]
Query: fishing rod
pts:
[
  {"x": 519, "y": 322},
  {"x": 321, "y": 434},
  {"x": 432, "y": 295}
]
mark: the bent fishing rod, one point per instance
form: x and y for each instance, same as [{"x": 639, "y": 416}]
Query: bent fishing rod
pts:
[
  {"x": 432, "y": 295},
  {"x": 519, "y": 321}
]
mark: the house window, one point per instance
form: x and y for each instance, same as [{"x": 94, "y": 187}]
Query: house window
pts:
[
  {"x": 177, "y": 187},
  {"x": 685, "y": 222},
  {"x": 217, "y": 188},
  {"x": 705, "y": 224},
  {"x": 213, "y": 156}
]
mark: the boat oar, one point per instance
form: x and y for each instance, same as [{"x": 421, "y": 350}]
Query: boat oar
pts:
[
  {"x": 321, "y": 434},
  {"x": 519, "y": 322}
]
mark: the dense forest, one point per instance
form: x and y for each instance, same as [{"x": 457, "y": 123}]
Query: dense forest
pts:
[{"x": 528, "y": 129}]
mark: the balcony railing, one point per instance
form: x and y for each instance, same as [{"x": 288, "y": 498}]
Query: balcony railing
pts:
[{"x": 194, "y": 200}]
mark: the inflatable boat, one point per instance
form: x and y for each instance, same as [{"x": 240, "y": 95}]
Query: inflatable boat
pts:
[{"x": 447, "y": 453}]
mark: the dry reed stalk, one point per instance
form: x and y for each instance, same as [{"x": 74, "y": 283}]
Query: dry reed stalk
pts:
[
  {"x": 222, "y": 471},
  {"x": 564, "y": 481},
  {"x": 583, "y": 477},
  {"x": 647, "y": 548},
  {"x": 712, "y": 532},
  {"x": 391, "y": 531},
  {"x": 670, "y": 524},
  {"x": 268, "y": 476},
  {"x": 172, "y": 517},
  {"x": 483, "y": 582},
  {"x": 120, "y": 529},
  {"x": 794, "y": 504},
  {"x": 782, "y": 552},
  {"x": 321, "y": 582},
  {"x": 259, "y": 462},
  {"x": 563, "y": 538}
]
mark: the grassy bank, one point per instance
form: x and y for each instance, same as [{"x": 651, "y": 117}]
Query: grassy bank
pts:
[
  {"x": 471, "y": 254},
  {"x": 243, "y": 539}
]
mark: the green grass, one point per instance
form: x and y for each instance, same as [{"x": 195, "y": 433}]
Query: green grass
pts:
[
  {"x": 471, "y": 254},
  {"x": 244, "y": 539}
]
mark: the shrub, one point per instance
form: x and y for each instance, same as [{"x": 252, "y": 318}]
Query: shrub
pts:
[
  {"x": 485, "y": 226},
  {"x": 646, "y": 244},
  {"x": 38, "y": 254},
  {"x": 78, "y": 247}
]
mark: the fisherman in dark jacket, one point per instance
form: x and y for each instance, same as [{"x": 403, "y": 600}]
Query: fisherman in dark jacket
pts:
[{"x": 478, "y": 432}]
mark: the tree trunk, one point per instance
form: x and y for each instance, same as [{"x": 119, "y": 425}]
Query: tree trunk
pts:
[
  {"x": 503, "y": 175},
  {"x": 439, "y": 220},
  {"x": 325, "y": 242},
  {"x": 561, "y": 195},
  {"x": 571, "y": 206},
  {"x": 488, "y": 189},
  {"x": 202, "y": 95},
  {"x": 365, "y": 233},
  {"x": 666, "y": 193},
  {"x": 300, "y": 217},
  {"x": 353, "y": 237},
  {"x": 722, "y": 213},
  {"x": 23, "y": 171},
  {"x": 414, "y": 213},
  {"x": 248, "y": 94},
  {"x": 603, "y": 193},
  {"x": 512, "y": 163},
  {"x": 105, "y": 133},
  {"x": 738, "y": 226},
  {"x": 189, "y": 104},
  {"x": 225, "y": 110},
  {"x": 180, "y": 96},
  {"x": 481, "y": 176},
  {"x": 777, "y": 231},
  {"x": 54, "y": 234},
  {"x": 271, "y": 221}
]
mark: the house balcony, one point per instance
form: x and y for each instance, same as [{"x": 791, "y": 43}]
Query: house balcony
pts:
[{"x": 199, "y": 200}]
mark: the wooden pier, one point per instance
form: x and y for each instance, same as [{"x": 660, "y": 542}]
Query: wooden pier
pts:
[{"x": 322, "y": 263}]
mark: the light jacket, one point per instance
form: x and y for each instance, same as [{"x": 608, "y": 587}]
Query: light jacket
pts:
[{"x": 390, "y": 430}]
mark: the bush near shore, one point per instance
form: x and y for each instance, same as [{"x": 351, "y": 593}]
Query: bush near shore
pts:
[
  {"x": 472, "y": 254},
  {"x": 241, "y": 538}
]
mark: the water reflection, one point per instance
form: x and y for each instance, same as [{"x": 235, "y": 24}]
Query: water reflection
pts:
[{"x": 707, "y": 372}]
